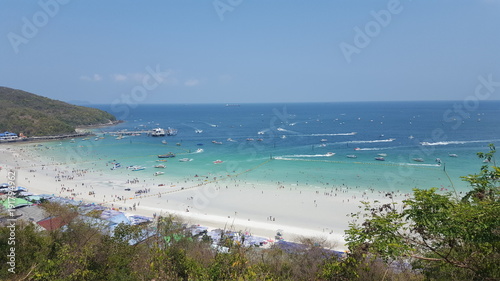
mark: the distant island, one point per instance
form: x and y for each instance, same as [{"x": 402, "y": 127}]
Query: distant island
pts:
[{"x": 29, "y": 115}]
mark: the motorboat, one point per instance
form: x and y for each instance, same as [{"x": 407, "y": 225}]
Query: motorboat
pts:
[
  {"x": 260, "y": 133},
  {"x": 185, "y": 159},
  {"x": 161, "y": 166},
  {"x": 216, "y": 142},
  {"x": 250, "y": 139},
  {"x": 438, "y": 160},
  {"x": 199, "y": 150},
  {"x": 382, "y": 154},
  {"x": 351, "y": 156},
  {"x": 218, "y": 161},
  {"x": 380, "y": 158},
  {"x": 418, "y": 159},
  {"x": 453, "y": 155},
  {"x": 164, "y": 141},
  {"x": 198, "y": 131},
  {"x": 158, "y": 173},
  {"x": 168, "y": 155},
  {"x": 323, "y": 140},
  {"x": 329, "y": 154}
]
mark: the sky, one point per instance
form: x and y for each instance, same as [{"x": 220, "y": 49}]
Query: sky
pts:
[{"x": 241, "y": 51}]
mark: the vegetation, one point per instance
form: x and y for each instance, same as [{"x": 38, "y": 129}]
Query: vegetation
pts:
[
  {"x": 33, "y": 115},
  {"x": 440, "y": 235},
  {"x": 430, "y": 237}
]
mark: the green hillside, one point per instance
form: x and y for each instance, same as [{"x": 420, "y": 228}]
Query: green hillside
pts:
[{"x": 33, "y": 115}]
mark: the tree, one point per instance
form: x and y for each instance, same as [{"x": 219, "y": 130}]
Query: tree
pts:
[{"x": 444, "y": 237}]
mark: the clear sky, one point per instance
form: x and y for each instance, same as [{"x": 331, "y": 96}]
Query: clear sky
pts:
[{"x": 237, "y": 51}]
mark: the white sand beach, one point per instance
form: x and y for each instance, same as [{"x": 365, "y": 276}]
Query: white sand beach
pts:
[{"x": 229, "y": 202}]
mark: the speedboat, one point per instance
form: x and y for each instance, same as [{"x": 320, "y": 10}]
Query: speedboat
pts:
[
  {"x": 218, "y": 161},
  {"x": 198, "y": 131},
  {"x": 164, "y": 141},
  {"x": 453, "y": 155},
  {"x": 418, "y": 159},
  {"x": 136, "y": 168},
  {"x": 230, "y": 139},
  {"x": 160, "y": 166},
  {"x": 260, "y": 139},
  {"x": 158, "y": 173},
  {"x": 322, "y": 145},
  {"x": 216, "y": 142},
  {"x": 351, "y": 156},
  {"x": 161, "y": 160},
  {"x": 250, "y": 139},
  {"x": 382, "y": 154},
  {"x": 380, "y": 158},
  {"x": 329, "y": 154},
  {"x": 168, "y": 155},
  {"x": 357, "y": 148},
  {"x": 260, "y": 133},
  {"x": 185, "y": 160},
  {"x": 438, "y": 160},
  {"x": 199, "y": 150},
  {"x": 323, "y": 140}
]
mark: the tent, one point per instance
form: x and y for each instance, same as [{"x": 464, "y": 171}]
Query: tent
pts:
[{"x": 12, "y": 203}]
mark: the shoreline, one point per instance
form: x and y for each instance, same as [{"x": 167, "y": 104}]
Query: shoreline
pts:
[{"x": 225, "y": 202}]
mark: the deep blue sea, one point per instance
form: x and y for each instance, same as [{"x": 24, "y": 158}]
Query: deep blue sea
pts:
[{"x": 300, "y": 138}]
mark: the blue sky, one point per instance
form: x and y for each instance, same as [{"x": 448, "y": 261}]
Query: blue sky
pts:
[{"x": 237, "y": 51}]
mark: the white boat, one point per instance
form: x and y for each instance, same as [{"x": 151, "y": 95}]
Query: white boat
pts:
[
  {"x": 283, "y": 137},
  {"x": 351, "y": 156},
  {"x": 230, "y": 139},
  {"x": 164, "y": 141},
  {"x": 198, "y": 131},
  {"x": 160, "y": 166},
  {"x": 323, "y": 140},
  {"x": 453, "y": 155},
  {"x": 250, "y": 139},
  {"x": 216, "y": 142},
  {"x": 185, "y": 159},
  {"x": 72, "y": 141},
  {"x": 329, "y": 154},
  {"x": 418, "y": 159},
  {"x": 281, "y": 129},
  {"x": 158, "y": 173},
  {"x": 199, "y": 150},
  {"x": 158, "y": 132},
  {"x": 382, "y": 154},
  {"x": 322, "y": 145},
  {"x": 136, "y": 168},
  {"x": 260, "y": 133},
  {"x": 438, "y": 160}
]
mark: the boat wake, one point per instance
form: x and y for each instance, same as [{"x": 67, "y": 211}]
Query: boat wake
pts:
[
  {"x": 455, "y": 142},
  {"x": 333, "y": 134},
  {"x": 372, "y": 141},
  {"x": 305, "y": 156}
]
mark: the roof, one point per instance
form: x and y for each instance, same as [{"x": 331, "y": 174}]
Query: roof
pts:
[{"x": 53, "y": 223}]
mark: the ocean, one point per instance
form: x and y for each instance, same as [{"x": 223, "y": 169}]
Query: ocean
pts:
[{"x": 311, "y": 145}]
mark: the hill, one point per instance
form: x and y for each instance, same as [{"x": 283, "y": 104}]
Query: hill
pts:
[{"x": 33, "y": 115}]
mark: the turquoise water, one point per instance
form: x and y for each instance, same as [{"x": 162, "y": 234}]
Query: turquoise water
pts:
[{"x": 298, "y": 138}]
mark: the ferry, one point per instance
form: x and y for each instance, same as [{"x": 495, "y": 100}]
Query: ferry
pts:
[{"x": 158, "y": 132}]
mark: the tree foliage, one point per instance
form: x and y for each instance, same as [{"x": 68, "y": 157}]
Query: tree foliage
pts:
[
  {"x": 33, "y": 115},
  {"x": 445, "y": 237}
]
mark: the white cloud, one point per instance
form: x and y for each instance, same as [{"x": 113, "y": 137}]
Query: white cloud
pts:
[
  {"x": 136, "y": 77},
  {"x": 94, "y": 78},
  {"x": 192, "y": 82}
]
